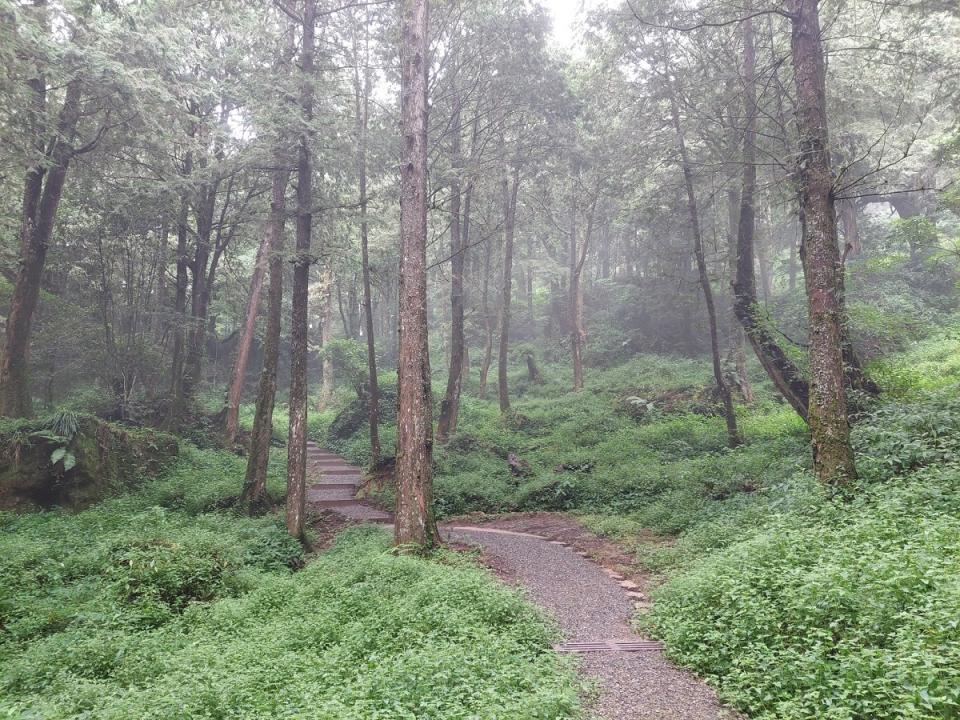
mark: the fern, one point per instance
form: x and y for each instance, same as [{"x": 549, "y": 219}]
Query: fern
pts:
[{"x": 63, "y": 423}]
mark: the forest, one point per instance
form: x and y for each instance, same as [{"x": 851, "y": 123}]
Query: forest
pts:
[{"x": 479, "y": 359}]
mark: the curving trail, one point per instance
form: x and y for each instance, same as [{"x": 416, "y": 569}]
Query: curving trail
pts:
[{"x": 592, "y": 605}]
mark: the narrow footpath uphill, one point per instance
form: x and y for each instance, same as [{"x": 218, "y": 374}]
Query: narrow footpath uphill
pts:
[
  {"x": 592, "y": 605},
  {"x": 332, "y": 484}
]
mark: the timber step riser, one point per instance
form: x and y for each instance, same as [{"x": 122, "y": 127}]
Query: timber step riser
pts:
[{"x": 336, "y": 503}]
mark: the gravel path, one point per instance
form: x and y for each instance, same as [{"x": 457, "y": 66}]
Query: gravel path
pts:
[{"x": 589, "y": 605}]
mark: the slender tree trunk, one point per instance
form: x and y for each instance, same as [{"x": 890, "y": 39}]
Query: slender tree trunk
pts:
[
  {"x": 577, "y": 257},
  {"x": 43, "y": 188},
  {"x": 238, "y": 374},
  {"x": 733, "y": 433},
  {"x": 450, "y": 405},
  {"x": 363, "y": 114},
  {"x": 487, "y": 321},
  {"x": 792, "y": 268},
  {"x": 327, "y": 382},
  {"x": 253, "y": 495},
  {"x": 510, "y": 216},
  {"x": 299, "y": 326},
  {"x": 763, "y": 264},
  {"x": 827, "y": 412},
  {"x": 784, "y": 373},
  {"x": 199, "y": 303},
  {"x": 177, "y": 402},
  {"x": 737, "y": 338},
  {"x": 415, "y": 524}
]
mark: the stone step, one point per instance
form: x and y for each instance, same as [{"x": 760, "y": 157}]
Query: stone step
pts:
[
  {"x": 332, "y": 463},
  {"x": 322, "y": 479},
  {"x": 359, "y": 511},
  {"x": 339, "y": 503},
  {"x": 326, "y": 459},
  {"x": 342, "y": 470},
  {"x": 339, "y": 486},
  {"x": 320, "y": 494}
]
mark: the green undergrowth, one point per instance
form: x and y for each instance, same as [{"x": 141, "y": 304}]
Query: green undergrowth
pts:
[
  {"x": 793, "y": 603},
  {"x": 163, "y": 604},
  {"x": 834, "y": 609}
]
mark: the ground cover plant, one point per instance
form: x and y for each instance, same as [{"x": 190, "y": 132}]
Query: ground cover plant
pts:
[
  {"x": 853, "y": 602},
  {"x": 162, "y": 604}
]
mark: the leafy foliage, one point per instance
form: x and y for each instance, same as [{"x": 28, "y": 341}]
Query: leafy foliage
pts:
[{"x": 155, "y": 605}]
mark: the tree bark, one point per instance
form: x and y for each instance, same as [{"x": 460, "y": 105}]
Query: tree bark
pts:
[
  {"x": 577, "y": 258},
  {"x": 299, "y": 326},
  {"x": 43, "y": 189},
  {"x": 199, "y": 292},
  {"x": 177, "y": 401},
  {"x": 510, "y": 216},
  {"x": 238, "y": 374},
  {"x": 327, "y": 383},
  {"x": 733, "y": 433},
  {"x": 363, "y": 115},
  {"x": 487, "y": 321},
  {"x": 736, "y": 352},
  {"x": 784, "y": 373},
  {"x": 833, "y": 459},
  {"x": 450, "y": 405},
  {"x": 253, "y": 495},
  {"x": 415, "y": 524}
]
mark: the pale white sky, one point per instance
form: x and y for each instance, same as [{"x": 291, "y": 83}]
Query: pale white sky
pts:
[{"x": 567, "y": 16}]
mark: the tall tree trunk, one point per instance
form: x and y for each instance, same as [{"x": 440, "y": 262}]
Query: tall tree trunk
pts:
[
  {"x": 362, "y": 95},
  {"x": 450, "y": 405},
  {"x": 327, "y": 383},
  {"x": 605, "y": 252},
  {"x": 736, "y": 352},
  {"x": 253, "y": 495},
  {"x": 199, "y": 294},
  {"x": 177, "y": 401},
  {"x": 43, "y": 188},
  {"x": 299, "y": 326},
  {"x": 238, "y": 374},
  {"x": 510, "y": 216},
  {"x": 733, "y": 433},
  {"x": 827, "y": 411},
  {"x": 784, "y": 373},
  {"x": 577, "y": 257},
  {"x": 487, "y": 321},
  {"x": 763, "y": 265},
  {"x": 415, "y": 524}
]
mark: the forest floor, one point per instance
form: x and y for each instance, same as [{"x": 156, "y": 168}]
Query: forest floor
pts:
[{"x": 590, "y": 588}]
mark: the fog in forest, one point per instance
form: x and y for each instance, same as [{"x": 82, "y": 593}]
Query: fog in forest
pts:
[{"x": 287, "y": 284}]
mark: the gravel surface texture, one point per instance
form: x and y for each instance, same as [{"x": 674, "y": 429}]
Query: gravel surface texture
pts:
[{"x": 589, "y": 605}]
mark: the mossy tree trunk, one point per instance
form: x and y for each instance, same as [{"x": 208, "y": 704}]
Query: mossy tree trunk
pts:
[
  {"x": 786, "y": 376},
  {"x": 299, "y": 325},
  {"x": 43, "y": 188},
  {"x": 450, "y": 405},
  {"x": 415, "y": 525},
  {"x": 833, "y": 459},
  {"x": 511, "y": 188},
  {"x": 255, "y": 483}
]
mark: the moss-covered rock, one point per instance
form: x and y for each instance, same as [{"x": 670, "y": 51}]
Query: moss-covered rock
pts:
[{"x": 44, "y": 465}]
